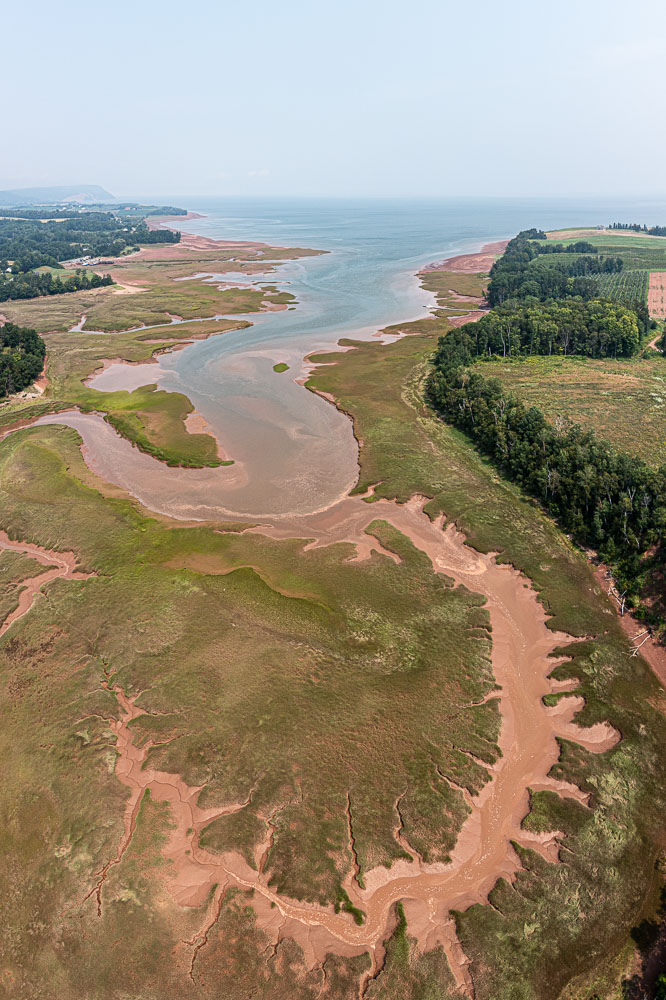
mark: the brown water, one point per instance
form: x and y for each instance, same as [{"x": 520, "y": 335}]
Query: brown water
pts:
[{"x": 211, "y": 494}]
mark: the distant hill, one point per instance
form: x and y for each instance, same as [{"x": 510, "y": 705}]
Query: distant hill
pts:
[{"x": 84, "y": 194}]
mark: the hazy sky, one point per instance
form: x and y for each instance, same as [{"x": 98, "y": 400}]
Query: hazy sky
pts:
[{"x": 354, "y": 97}]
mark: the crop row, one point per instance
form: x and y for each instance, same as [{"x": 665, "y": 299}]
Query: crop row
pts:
[{"x": 625, "y": 286}]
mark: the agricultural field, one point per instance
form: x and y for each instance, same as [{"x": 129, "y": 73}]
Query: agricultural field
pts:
[
  {"x": 657, "y": 295},
  {"x": 626, "y": 286},
  {"x": 623, "y": 401},
  {"x": 639, "y": 252}
]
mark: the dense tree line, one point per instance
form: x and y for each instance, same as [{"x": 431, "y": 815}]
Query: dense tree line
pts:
[
  {"x": 519, "y": 274},
  {"x": 606, "y": 499},
  {"x": 586, "y": 264},
  {"x": 39, "y": 213},
  {"x": 22, "y": 353},
  {"x": 28, "y": 243},
  {"x": 596, "y": 328},
  {"x": 609, "y": 500},
  {"x": 636, "y": 227},
  {"x": 33, "y": 283},
  {"x": 129, "y": 210}
]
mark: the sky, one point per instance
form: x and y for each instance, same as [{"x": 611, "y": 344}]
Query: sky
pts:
[{"x": 392, "y": 98}]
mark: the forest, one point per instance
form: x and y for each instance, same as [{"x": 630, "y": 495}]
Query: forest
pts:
[
  {"x": 606, "y": 499},
  {"x": 129, "y": 210},
  {"x": 30, "y": 284},
  {"x": 525, "y": 270},
  {"x": 29, "y": 243},
  {"x": 22, "y": 354},
  {"x": 596, "y": 328},
  {"x": 636, "y": 227}
]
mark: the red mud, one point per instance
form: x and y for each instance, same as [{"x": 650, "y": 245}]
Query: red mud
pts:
[
  {"x": 471, "y": 263},
  {"x": 522, "y": 661},
  {"x": 61, "y": 564},
  {"x": 470, "y": 317}
]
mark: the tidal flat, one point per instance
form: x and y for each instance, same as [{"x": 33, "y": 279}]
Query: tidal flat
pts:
[{"x": 355, "y": 739}]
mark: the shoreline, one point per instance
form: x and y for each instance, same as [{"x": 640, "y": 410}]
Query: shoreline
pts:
[
  {"x": 196, "y": 243},
  {"x": 478, "y": 262},
  {"x": 529, "y": 734},
  {"x": 138, "y": 480}
]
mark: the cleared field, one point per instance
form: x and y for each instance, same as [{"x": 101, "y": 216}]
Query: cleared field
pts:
[
  {"x": 657, "y": 294},
  {"x": 639, "y": 252},
  {"x": 623, "y": 401}
]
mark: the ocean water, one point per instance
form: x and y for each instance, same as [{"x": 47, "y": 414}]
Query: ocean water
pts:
[{"x": 293, "y": 451}]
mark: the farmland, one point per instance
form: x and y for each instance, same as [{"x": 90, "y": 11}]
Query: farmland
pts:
[
  {"x": 626, "y": 286},
  {"x": 624, "y": 401},
  {"x": 657, "y": 294},
  {"x": 637, "y": 251}
]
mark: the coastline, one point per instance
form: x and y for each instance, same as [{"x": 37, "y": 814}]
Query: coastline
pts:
[
  {"x": 537, "y": 711},
  {"x": 195, "y": 243},
  {"x": 225, "y": 506},
  {"x": 470, "y": 263}
]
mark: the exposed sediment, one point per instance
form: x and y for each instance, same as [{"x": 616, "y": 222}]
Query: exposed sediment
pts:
[
  {"x": 522, "y": 661},
  {"x": 60, "y": 565}
]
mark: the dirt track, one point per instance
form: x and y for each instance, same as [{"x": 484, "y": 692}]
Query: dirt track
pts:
[{"x": 522, "y": 661}]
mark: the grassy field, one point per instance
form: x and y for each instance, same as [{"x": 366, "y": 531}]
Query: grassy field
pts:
[{"x": 623, "y": 401}]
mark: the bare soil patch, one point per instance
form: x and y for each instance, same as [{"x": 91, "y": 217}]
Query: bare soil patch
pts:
[
  {"x": 657, "y": 295},
  {"x": 471, "y": 263}
]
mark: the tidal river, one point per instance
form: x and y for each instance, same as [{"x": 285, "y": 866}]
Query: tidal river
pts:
[{"x": 294, "y": 453}]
